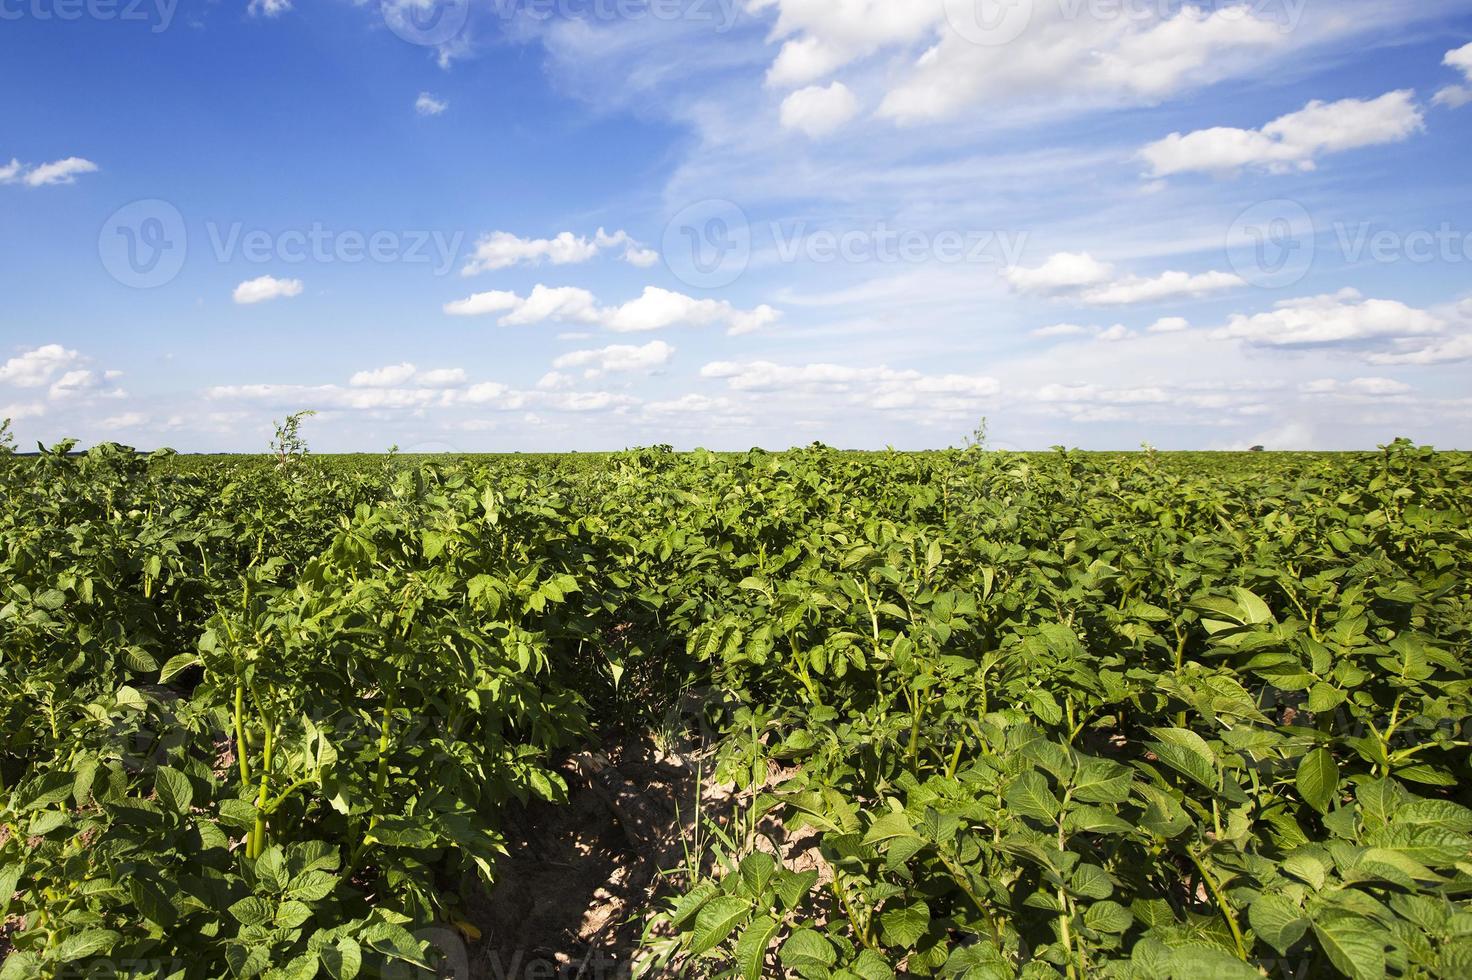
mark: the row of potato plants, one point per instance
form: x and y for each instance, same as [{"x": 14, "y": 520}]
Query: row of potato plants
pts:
[{"x": 1059, "y": 715}]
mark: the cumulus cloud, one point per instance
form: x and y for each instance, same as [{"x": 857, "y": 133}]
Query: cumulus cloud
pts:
[
  {"x": 658, "y": 309},
  {"x": 1290, "y": 142},
  {"x": 395, "y": 375},
  {"x": 502, "y": 250},
  {"x": 36, "y": 368},
  {"x": 1063, "y": 330},
  {"x": 56, "y": 172},
  {"x": 428, "y": 105},
  {"x": 1062, "y": 272},
  {"x": 1167, "y": 285},
  {"x": 1345, "y": 317},
  {"x": 266, "y": 288},
  {"x": 877, "y": 387},
  {"x": 1456, "y": 96},
  {"x": 1080, "y": 275},
  {"x": 655, "y": 309},
  {"x": 1169, "y": 324},
  {"x": 1357, "y": 387},
  {"x": 268, "y": 8},
  {"x": 560, "y": 303},
  {"x": 617, "y": 358},
  {"x": 1062, "y": 58},
  {"x": 819, "y": 111}
]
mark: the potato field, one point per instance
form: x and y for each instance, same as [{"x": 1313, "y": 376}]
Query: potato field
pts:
[{"x": 960, "y": 714}]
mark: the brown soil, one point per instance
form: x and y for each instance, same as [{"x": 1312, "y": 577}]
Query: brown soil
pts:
[{"x": 570, "y": 898}]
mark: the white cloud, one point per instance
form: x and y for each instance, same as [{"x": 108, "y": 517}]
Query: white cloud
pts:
[
  {"x": 1063, "y": 330},
  {"x": 396, "y": 375},
  {"x": 658, "y": 309},
  {"x": 1062, "y": 271},
  {"x": 819, "y": 111},
  {"x": 1294, "y": 141},
  {"x": 1340, "y": 318},
  {"x": 268, "y": 8},
  {"x": 1169, "y": 324},
  {"x": 1357, "y": 387},
  {"x": 127, "y": 420},
  {"x": 1167, "y": 285},
  {"x": 1456, "y": 96},
  {"x": 57, "y": 172},
  {"x": 554, "y": 381},
  {"x": 691, "y": 404},
  {"x": 75, "y": 383},
  {"x": 877, "y": 387},
  {"x": 655, "y": 309},
  {"x": 502, "y": 250},
  {"x": 1115, "y": 334},
  {"x": 428, "y": 105},
  {"x": 1143, "y": 56},
  {"x": 22, "y": 410},
  {"x": 266, "y": 288},
  {"x": 561, "y": 303},
  {"x": 617, "y": 358},
  {"x": 831, "y": 34},
  {"x": 1080, "y": 274},
  {"x": 36, "y": 368}
]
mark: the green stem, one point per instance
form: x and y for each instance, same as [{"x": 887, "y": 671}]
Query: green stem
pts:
[
  {"x": 258, "y": 835},
  {"x": 240, "y": 748},
  {"x": 1221, "y": 904}
]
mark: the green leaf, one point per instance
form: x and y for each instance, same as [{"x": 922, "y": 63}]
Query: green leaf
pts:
[
  {"x": 751, "y": 948},
  {"x": 343, "y": 960},
  {"x": 84, "y": 945},
  {"x": 1108, "y": 917},
  {"x": 1187, "y": 753},
  {"x": 756, "y": 871},
  {"x": 1353, "y": 943},
  {"x": 1091, "y": 881},
  {"x": 793, "y": 887},
  {"x": 252, "y": 911},
  {"x": 1030, "y": 796},
  {"x": 174, "y": 790},
  {"x": 890, "y": 826},
  {"x": 1277, "y": 921},
  {"x": 807, "y": 948},
  {"x": 716, "y": 920},
  {"x": 311, "y": 886},
  {"x": 1318, "y": 779},
  {"x": 177, "y": 665},
  {"x": 904, "y": 926}
]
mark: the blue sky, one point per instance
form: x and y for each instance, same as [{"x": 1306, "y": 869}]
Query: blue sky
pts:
[{"x": 587, "y": 224}]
